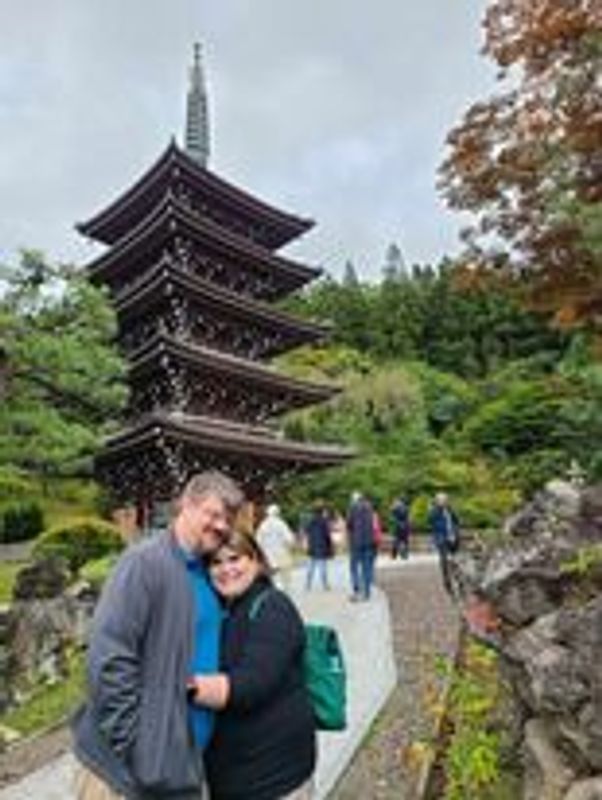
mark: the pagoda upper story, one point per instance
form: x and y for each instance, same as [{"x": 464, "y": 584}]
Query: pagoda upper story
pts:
[
  {"x": 175, "y": 231},
  {"x": 193, "y": 274},
  {"x": 176, "y": 174}
]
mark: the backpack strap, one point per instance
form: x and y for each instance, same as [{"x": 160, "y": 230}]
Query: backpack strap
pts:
[{"x": 256, "y": 604}]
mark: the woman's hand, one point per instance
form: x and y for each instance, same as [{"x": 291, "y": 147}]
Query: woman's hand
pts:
[{"x": 211, "y": 691}]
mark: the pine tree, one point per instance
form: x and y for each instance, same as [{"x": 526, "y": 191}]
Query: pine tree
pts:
[
  {"x": 350, "y": 278},
  {"x": 394, "y": 267},
  {"x": 61, "y": 376}
]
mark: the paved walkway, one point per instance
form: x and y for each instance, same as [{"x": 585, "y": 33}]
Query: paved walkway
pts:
[
  {"x": 366, "y": 632},
  {"x": 425, "y": 625}
]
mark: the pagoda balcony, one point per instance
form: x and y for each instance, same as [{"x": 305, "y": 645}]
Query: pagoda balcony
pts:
[
  {"x": 170, "y": 375},
  {"x": 173, "y": 232},
  {"x": 192, "y": 310}
]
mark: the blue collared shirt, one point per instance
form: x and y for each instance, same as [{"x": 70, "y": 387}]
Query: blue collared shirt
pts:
[{"x": 207, "y": 629}]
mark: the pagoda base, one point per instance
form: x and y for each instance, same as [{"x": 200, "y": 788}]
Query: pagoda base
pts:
[{"x": 152, "y": 461}]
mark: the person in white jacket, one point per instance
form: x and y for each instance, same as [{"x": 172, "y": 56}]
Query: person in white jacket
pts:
[{"x": 276, "y": 539}]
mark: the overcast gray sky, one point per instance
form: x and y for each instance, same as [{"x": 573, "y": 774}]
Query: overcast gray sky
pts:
[{"x": 335, "y": 109}]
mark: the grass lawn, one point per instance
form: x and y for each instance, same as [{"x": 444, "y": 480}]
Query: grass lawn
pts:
[
  {"x": 50, "y": 704},
  {"x": 8, "y": 572},
  {"x": 60, "y": 500}
]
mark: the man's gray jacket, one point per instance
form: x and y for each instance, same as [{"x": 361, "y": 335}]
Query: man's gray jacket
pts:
[{"x": 133, "y": 730}]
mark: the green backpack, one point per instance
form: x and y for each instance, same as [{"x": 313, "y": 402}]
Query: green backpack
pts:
[
  {"x": 324, "y": 672},
  {"x": 325, "y": 677}
]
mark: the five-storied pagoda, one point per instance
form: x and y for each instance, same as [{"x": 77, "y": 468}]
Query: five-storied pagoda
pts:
[{"x": 193, "y": 273}]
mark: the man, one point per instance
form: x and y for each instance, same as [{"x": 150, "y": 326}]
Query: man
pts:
[
  {"x": 362, "y": 547},
  {"x": 444, "y": 526},
  {"x": 157, "y": 623}
]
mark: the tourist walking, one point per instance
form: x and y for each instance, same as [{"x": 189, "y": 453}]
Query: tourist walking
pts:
[
  {"x": 157, "y": 622},
  {"x": 445, "y": 531},
  {"x": 319, "y": 545},
  {"x": 400, "y": 518},
  {"x": 277, "y": 541},
  {"x": 264, "y": 745},
  {"x": 362, "y": 547}
]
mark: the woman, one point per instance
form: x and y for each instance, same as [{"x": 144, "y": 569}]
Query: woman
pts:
[
  {"x": 264, "y": 746},
  {"x": 277, "y": 541}
]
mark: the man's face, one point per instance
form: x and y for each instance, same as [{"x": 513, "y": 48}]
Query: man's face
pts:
[{"x": 206, "y": 522}]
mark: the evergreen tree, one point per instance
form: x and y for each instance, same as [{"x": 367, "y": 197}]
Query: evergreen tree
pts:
[
  {"x": 61, "y": 377},
  {"x": 350, "y": 278},
  {"x": 394, "y": 268}
]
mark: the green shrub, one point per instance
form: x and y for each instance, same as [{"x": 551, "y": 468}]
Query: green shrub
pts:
[
  {"x": 8, "y": 574},
  {"x": 527, "y": 416},
  {"x": 79, "y": 541},
  {"x": 97, "y": 571},
  {"x": 472, "y": 761},
  {"x": 486, "y": 509},
  {"x": 475, "y": 509},
  {"x": 532, "y": 471},
  {"x": 14, "y": 485},
  {"x": 20, "y": 522},
  {"x": 449, "y": 400},
  {"x": 419, "y": 512}
]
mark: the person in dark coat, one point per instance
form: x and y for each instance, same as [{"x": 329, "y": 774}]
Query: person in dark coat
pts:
[
  {"x": 264, "y": 745},
  {"x": 400, "y": 516},
  {"x": 362, "y": 546},
  {"x": 319, "y": 545},
  {"x": 444, "y": 525}
]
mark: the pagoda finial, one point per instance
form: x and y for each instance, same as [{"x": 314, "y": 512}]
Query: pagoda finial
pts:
[{"x": 197, "y": 116}]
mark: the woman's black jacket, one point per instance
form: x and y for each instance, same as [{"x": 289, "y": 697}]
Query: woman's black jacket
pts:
[{"x": 264, "y": 744}]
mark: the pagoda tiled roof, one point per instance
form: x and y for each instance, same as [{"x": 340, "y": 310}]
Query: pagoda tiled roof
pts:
[
  {"x": 221, "y": 436},
  {"x": 125, "y": 211},
  {"x": 147, "y": 357},
  {"x": 171, "y": 215},
  {"x": 163, "y": 278}
]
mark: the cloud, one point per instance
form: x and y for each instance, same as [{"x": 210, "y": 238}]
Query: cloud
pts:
[{"x": 337, "y": 110}]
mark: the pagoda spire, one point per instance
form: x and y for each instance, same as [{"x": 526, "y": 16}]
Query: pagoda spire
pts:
[{"x": 197, "y": 116}]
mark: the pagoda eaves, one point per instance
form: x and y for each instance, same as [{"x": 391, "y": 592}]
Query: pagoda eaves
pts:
[
  {"x": 169, "y": 374},
  {"x": 162, "y": 450},
  {"x": 227, "y": 365},
  {"x": 169, "y": 299},
  {"x": 258, "y": 219},
  {"x": 173, "y": 228}
]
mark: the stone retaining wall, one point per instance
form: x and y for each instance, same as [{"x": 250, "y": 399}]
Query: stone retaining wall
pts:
[{"x": 543, "y": 593}]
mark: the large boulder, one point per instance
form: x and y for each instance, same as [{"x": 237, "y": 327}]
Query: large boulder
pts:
[
  {"x": 43, "y": 633},
  {"x": 44, "y": 579},
  {"x": 552, "y": 682},
  {"x": 590, "y": 518},
  {"x": 552, "y": 512},
  {"x": 588, "y": 789},
  {"x": 6, "y": 660},
  {"x": 537, "y": 598},
  {"x": 548, "y": 773}
]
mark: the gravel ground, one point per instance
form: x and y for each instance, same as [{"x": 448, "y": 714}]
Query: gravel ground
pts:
[{"x": 425, "y": 623}]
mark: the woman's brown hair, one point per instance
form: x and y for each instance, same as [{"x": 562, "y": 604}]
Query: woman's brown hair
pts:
[{"x": 245, "y": 545}]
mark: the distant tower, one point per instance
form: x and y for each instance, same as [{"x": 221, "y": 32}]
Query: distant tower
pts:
[{"x": 197, "y": 116}]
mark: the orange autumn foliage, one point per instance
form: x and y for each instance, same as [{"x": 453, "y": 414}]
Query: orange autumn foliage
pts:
[{"x": 528, "y": 162}]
